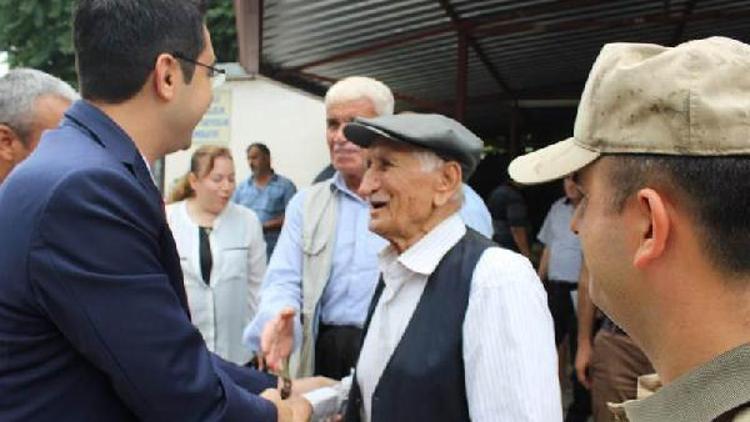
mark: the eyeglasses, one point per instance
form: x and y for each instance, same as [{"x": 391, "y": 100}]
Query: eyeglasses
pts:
[{"x": 217, "y": 76}]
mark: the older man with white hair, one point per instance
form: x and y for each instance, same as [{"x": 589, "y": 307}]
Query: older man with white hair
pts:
[
  {"x": 31, "y": 102},
  {"x": 458, "y": 328},
  {"x": 324, "y": 266}
]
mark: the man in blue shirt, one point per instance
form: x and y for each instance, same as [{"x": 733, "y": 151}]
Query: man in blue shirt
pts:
[
  {"x": 325, "y": 266},
  {"x": 265, "y": 192},
  {"x": 509, "y": 218}
]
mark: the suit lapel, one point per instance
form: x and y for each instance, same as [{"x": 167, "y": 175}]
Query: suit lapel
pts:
[{"x": 113, "y": 138}]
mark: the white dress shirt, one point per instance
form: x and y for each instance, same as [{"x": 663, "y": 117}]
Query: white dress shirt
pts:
[
  {"x": 508, "y": 338},
  {"x": 221, "y": 309}
]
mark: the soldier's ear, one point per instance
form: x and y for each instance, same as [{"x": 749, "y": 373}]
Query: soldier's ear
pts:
[{"x": 653, "y": 220}]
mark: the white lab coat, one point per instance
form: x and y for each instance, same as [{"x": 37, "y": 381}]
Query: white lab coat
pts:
[{"x": 221, "y": 310}]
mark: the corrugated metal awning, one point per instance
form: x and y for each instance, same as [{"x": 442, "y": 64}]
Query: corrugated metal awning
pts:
[{"x": 534, "y": 54}]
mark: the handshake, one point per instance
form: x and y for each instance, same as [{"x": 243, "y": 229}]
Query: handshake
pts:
[
  {"x": 277, "y": 341},
  {"x": 295, "y": 408}
]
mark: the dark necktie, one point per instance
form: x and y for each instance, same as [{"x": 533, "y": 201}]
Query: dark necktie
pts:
[{"x": 205, "y": 253}]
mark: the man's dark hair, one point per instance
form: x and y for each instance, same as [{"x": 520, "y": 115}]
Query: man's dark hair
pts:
[
  {"x": 261, "y": 147},
  {"x": 117, "y": 42},
  {"x": 715, "y": 190}
]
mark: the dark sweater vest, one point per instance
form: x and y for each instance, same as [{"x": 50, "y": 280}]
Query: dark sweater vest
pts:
[{"x": 424, "y": 378}]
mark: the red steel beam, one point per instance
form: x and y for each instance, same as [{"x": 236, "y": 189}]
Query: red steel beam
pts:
[{"x": 474, "y": 44}]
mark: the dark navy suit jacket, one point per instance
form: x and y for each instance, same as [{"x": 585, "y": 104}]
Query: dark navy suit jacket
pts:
[{"x": 93, "y": 315}]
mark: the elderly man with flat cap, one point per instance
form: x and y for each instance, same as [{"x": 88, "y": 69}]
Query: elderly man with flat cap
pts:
[
  {"x": 458, "y": 328},
  {"x": 660, "y": 151}
]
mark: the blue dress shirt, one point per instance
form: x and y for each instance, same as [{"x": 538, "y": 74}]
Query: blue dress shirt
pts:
[
  {"x": 267, "y": 202},
  {"x": 475, "y": 213},
  {"x": 354, "y": 271}
]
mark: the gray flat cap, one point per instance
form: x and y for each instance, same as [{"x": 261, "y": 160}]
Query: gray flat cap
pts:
[{"x": 442, "y": 135}]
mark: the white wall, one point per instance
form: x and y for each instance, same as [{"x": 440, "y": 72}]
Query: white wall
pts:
[{"x": 291, "y": 122}]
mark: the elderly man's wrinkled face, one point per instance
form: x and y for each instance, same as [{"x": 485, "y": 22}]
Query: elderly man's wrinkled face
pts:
[{"x": 401, "y": 192}]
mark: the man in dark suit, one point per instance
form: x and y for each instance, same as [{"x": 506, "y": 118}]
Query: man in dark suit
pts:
[{"x": 93, "y": 317}]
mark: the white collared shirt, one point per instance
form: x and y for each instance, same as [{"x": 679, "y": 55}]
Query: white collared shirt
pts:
[
  {"x": 150, "y": 171},
  {"x": 508, "y": 338},
  {"x": 221, "y": 309}
]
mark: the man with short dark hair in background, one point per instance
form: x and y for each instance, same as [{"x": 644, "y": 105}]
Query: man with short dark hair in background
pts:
[
  {"x": 94, "y": 321},
  {"x": 31, "y": 102},
  {"x": 661, "y": 156},
  {"x": 266, "y": 193},
  {"x": 509, "y": 218}
]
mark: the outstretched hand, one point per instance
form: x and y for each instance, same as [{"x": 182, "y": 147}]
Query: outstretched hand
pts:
[{"x": 277, "y": 340}]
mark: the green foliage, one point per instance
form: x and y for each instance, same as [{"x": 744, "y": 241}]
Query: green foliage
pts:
[
  {"x": 221, "y": 23},
  {"x": 38, "y": 34}
]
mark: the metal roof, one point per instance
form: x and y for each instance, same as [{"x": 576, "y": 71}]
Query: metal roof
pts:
[{"x": 535, "y": 54}]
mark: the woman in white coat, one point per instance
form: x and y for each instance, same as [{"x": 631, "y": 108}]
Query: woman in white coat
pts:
[{"x": 222, "y": 252}]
